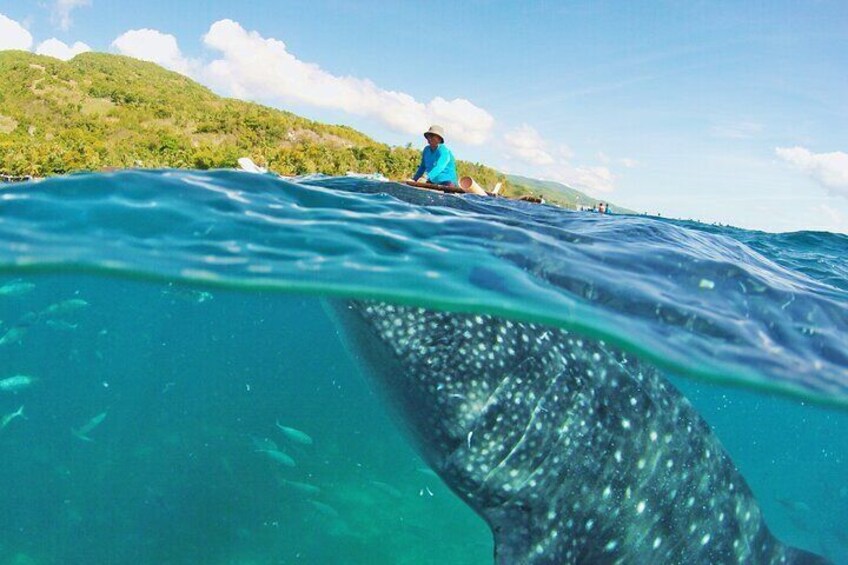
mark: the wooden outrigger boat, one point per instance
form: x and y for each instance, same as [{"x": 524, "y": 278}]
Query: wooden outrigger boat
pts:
[
  {"x": 437, "y": 187},
  {"x": 467, "y": 185}
]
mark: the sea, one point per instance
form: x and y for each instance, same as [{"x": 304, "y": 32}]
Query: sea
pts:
[{"x": 172, "y": 389}]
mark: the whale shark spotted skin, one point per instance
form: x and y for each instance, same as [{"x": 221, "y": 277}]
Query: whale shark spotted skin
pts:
[{"x": 571, "y": 450}]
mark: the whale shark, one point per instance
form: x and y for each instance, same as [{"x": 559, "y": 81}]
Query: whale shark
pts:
[{"x": 570, "y": 449}]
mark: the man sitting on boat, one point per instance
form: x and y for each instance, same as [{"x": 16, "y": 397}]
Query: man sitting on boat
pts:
[{"x": 438, "y": 165}]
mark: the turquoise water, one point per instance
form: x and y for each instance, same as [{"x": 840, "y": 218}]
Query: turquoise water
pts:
[
  {"x": 191, "y": 383},
  {"x": 195, "y": 325}
]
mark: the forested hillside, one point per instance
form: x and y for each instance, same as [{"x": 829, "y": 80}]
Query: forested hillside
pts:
[{"x": 100, "y": 110}]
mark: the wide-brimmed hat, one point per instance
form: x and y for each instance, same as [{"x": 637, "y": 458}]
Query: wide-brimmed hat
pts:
[{"x": 435, "y": 130}]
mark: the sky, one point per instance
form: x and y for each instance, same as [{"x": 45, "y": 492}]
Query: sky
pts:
[{"x": 729, "y": 112}]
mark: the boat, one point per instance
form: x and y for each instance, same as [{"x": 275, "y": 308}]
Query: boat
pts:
[
  {"x": 466, "y": 185},
  {"x": 14, "y": 178}
]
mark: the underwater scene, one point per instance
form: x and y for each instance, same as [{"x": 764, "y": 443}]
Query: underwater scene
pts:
[{"x": 222, "y": 367}]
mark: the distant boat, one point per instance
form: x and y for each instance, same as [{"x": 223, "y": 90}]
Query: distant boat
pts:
[{"x": 13, "y": 178}]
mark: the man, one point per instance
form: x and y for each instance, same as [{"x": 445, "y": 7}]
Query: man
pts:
[{"x": 438, "y": 165}]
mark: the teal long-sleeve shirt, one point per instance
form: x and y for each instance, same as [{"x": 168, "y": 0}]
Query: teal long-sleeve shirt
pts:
[{"x": 439, "y": 165}]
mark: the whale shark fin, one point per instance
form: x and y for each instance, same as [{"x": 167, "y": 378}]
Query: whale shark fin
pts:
[{"x": 511, "y": 529}]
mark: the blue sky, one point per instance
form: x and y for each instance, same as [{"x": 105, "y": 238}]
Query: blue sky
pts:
[{"x": 720, "y": 111}]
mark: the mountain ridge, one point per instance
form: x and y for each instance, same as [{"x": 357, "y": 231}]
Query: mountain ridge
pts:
[{"x": 556, "y": 189}]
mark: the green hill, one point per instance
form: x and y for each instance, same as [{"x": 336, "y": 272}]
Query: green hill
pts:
[
  {"x": 559, "y": 193},
  {"x": 100, "y": 110}
]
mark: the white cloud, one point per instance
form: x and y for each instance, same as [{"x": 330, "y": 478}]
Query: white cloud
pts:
[
  {"x": 13, "y": 35},
  {"x": 470, "y": 123},
  {"x": 565, "y": 152},
  {"x": 526, "y": 144},
  {"x": 155, "y": 46},
  {"x": 62, "y": 11},
  {"x": 828, "y": 169},
  {"x": 55, "y": 48},
  {"x": 591, "y": 179},
  {"x": 628, "y": 162},
  {"x": 599, "y": 179},
  {"x": 254, "y": 67}
]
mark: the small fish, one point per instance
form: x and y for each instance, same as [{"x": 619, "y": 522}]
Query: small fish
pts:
[
  {"x": 82, "y": 433},
  {"x": 427, "y": 471},
  {"x": 61, "y": 325},
  {"x": 17, "y": 383},
  {"x": 27, "y": 320},
  {"x": 793, "y": 505},
  {"x": 303, "y": 488},
  {"x": 64, "y": 307},
  {"x": 387, "y": 489},
  {"x": 324, "y": 509},
  {"x": 263, "y": 444},
  {"x": 278, "y": 456},
  {"x": 798, "y": 512},
  {"x": 14, "y": 335},
  {"x": 16, "y": 287},
  {"x": 294, "y": 435},
  {"x": 7, "y": 419}
]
